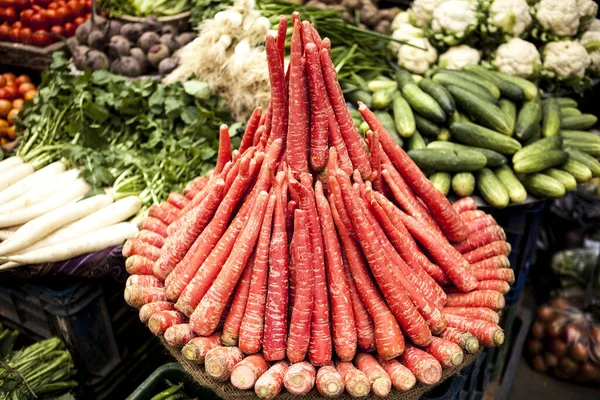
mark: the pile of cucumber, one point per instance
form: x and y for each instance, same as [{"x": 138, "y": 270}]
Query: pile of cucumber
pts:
[{"x": 476, "y": 129}]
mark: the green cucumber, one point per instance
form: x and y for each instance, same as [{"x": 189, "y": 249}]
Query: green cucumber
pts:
[
  {"x": 380, "y": 84},
  {"x": 529, "y": 118},
  {"x": 447, "y": 160},
  {"x": 551, "y": 115},
  {"x": 585, "y": 159},
  {"x": 543, "y": 186},
  {"x": 535, "y": 136},
  {"x": 510, "y": 110},
  {"x": 441, "y": 181},
  {"x": 494, "y": 159},
  {"x": 383, "y": 98},
  {"x": 530, "y": 90},
  {"x": 364, "y": 127},
  {"x": 540, "y": 161},
  {"x": 593, "y": 149},
  {"x": 403, "y": 77},
  {"x": 578, "y": 122},
  {"x": 388, "y": 123},
  {"x": 566, "y": 102},
  {"x": 569, "y": 112},
  {"x": 482, "y": 111},
  {"x": 458, "y": 117},
  {"x": 479, "y": 136},
  {"x": 580, "y": 172},
  {"x": 492, "y": 190},
  {"x": 446, "y": 79},
  {"x": 515, "y": 189},
  {"x": 354, "y": 94},
  {"x": 508, "y": 89},
  {"x": 567, "y": 180},
  {"x": 420, "y": 101},
  {"x": 439, "y": 93},
  {"x": 403, "y": 116},
  {"x": 444, "y": 135},
  {"x": 539, "y": 147},
  {"x": 490, "y": 87},
  {"x": 426, "y": 127},
  {"x": 415, "y": 142},
  {"x": 463, "y": 184},
  {"x": 580, "y": 136}
]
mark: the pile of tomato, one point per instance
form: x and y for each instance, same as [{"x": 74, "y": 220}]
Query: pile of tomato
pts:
[
  {"x": 41, "y": 22},
  {"x": 13, "y": 92}
]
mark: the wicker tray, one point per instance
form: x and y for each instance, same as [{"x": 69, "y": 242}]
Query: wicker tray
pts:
[
  {"x": 27, "y": 56},
  {"x": 179, "y": 21},
  {"x": 226, "y": 391}
]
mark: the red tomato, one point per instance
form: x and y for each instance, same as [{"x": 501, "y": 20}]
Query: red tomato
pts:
[
  {"x": 10, "y": 77},
  {"x": 53, "y": 18},
  {"x": 87, "y": 5},
  {"x": 42, "y": 38},
  {"x": 26, "y": 87},
  {"x": 76, "y": 8},
  {"x": 61, "y": 3},
  {"x": 39, "y": 22},
  {"x": 14, "y": 35},
  {"x": 30, "y": 95},
  {"x": 4, "y": 30},
  {"x": 2, "y": 14},
  {"x": 26, "y": 16},
  {"x": 2, "y": 81},
  {"x": 52, "y": 6},
  {"x": 17, "y": 24},
  {"x": 69, "y": 29},
  {"x": 10, "y": 15},
  {"x": 65, "y": 14},
  {"x": 22, "y": 79},
  {"x": 43, "y": 3},
  {"x": 79, "y": 20},
  {"x": 36, "y": 8},
  {"x": 20, "y": 4},
  {"x": 3, "y": 95},
  {"x": 11, "y": 92},
  {"x": 58, "y": 30},
  {"x": 25, "y": 35}
]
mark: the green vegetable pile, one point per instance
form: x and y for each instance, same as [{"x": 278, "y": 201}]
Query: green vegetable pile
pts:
[
  {"x": 143, "y": 8},
  {"x": 42, "y": 369},
  {"x": 173, "y": 391},
  {"x": 140, "y": 137}
]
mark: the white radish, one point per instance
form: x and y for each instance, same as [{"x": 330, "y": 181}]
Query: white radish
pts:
[
  {"x": 15, "y": 174},
  {"x": 94, "y": 241},
  {"x": 114, "y": 213},
  {"x": 44, "y": 225},
  {"x": 41, "y": 192},
  {"x": 72, "y": 192},
  {"x": 31, "y": 181},
  {"x": 9, "y": 163},
  {"x": 6, "y": 234}
]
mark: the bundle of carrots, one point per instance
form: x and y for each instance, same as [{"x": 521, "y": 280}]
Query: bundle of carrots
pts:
[{"x": 305, "y": 248}]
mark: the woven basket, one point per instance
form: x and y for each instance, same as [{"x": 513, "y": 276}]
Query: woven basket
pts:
[
  {"x": 226, "y": 391},
  {"x": 26, "y": 56}
]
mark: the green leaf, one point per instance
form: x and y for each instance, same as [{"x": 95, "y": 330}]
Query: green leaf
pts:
[
  {"x": 95, "y": 112},
  {"x": 197, "y": 88}
]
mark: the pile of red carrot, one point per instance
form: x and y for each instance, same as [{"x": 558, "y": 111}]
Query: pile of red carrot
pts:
[{"x": 310, "y": 248}]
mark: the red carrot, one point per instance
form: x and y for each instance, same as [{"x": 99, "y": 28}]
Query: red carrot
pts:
[
  {"x": 259, "y": 134},
  {"x": 497, "y": 248},
  {"x": 465, "y": 204},
  {"x": 271, "y": 382},
  {"x": 135, "y": 246},
  {"x": 446, "y": 352},
  {"x": 195, "y": 350},
  {"x": 139, "y": 265},
  {"x": 354, "y": 143},
  {"x": 154, "y": 225},
  {"x": 402, "y": 378},
  {"x": 302, "y": 308},
  {"x": 152, "y": 238},
  {"x": 198, "y": 198},
  {"x": 289, "y": 217},
  {"x": 160, "y": 321},
  {"x": 177, "y": 246},
  {"x": 233, "y": 321},
  {"x": 136, "y": 296},
  {"x": 342, "y": 315},
  {"x": 470, "y": 215},
  {"x": 178, "y": 200},
  {"x": 232, "y": 174},
  {"x": 276, "y": 307},
  {"x": 381, "y": 384},
  {"x": 251, "y": 128},
  {"x": 336, "y": 195},
  {"x": 300, "y": 378},
  {"x": 441, "y": 209},
  {"x": 480, "y": 223},
  {"x": 163, "y": 214},
  {"x": 481, "y": 238},
  {"x": 494, "y": 284},
  {"x": 144, "y": 280},
  {"x": 179, "y": 335},
  {"x": 220, "y": 361},
  {"x": 319, "y": 123},
  {"x": 465, "y": 340},
  {"x": 356, "y": 382},
  {"x": 337, "y": 142},
  {"x": 484, "y": 313},
  {"x": 245, "y": 373},
  {"x": 281, "y": 34},
  {"x": 315, "y": 35},
  {"x": 388, "y": 337},
  {"x": 149, "y": 309},
  {"x": 424, "y": 366},
  {"x": 206, "y": 316},
  {"x": 477, "y": 298},
  {"x": 194, "y": 187},
  {"x": 503, "y": 274},
  {"x": 375, "y": 160},
  {"x": 488, "y": 333},
  {"x": 278, "y": 98},
  {"x": 224, "y": 154},
  {"x": 329, "y": 382},
  {"x": 496, "y": 262}
]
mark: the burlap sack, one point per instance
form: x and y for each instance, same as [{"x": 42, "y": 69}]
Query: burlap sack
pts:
[{"x": 226, "y": 391}]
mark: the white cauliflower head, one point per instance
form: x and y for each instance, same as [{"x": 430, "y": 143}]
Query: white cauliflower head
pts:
[
  {"x": 593, "y": 51},
  {"x": 561, "y": 17},
  {"x": 593, "y": 26},
  {"x": 567, "y": 59},
  {"x": 402, "y": 18},
  {"x": 422, "y": 10},
  {"x": 414, "y": 59},
  {"x": 587, "y": 8},
  {"x": 455, "y": 16},
  {"x": 517, "y": 57},
  {"x": 459, "y": 56},
  {"x": 405, "y": 32},
  {"x": 511, "y": 16}
]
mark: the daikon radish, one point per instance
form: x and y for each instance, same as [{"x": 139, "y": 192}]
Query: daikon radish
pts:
[
  {"x": 42, "y": 226},
  {"x": 90, "y": 243},
  {"x": 15, "y": 174},
  {"x": 31, "y": 181},
  {"x": 10, "y": 162},
  {"x": 6, "y": 234},
  {"x": 72, "y": 192}
]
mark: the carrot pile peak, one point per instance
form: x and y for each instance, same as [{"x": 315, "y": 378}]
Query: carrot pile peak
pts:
[{"x": 314, "y": 256}]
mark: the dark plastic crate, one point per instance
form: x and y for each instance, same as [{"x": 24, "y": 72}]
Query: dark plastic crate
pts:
[{"x": 448, "y": 390}]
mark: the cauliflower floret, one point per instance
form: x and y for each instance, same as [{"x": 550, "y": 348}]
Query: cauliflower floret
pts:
[
  {"x": 405, "y": 32},
  {"x": 422, "y": 10},
  {"x": 594, "y": 53},
  {"x": 517, "y": 57},
  {"x": 414, "y": 59},
  {"x": 567, "y": 59},
  {"x": 587, "y": 7},
  {"x": 459, "y": 56},
  {"x": 594, "y": 26},
  {"x": 402, "y": 18},
  {"x": 454, "y": 16},
  {"x": 561, "y": 17},
  {"x": 511, "y": 16}
]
